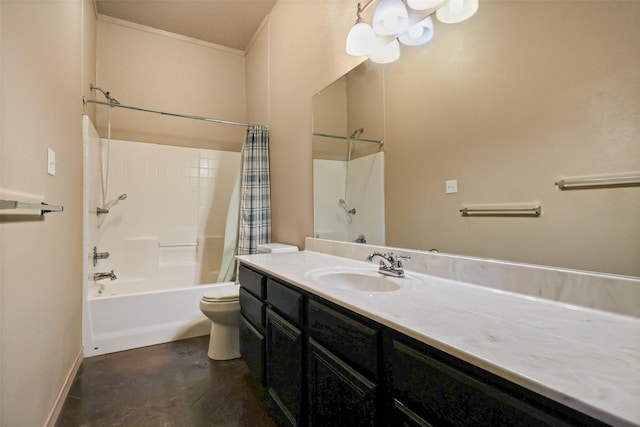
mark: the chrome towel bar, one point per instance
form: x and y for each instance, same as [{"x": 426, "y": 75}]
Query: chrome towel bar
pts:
[
  {"x": 176, "y": 244},
  {"x": 42, "y": 207},
  {"x": 535, "y": 211},
  {"x": 598, "y": 181}
]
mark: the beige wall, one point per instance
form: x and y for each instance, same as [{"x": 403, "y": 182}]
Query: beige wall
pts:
[
  {"x": 41, "y": 259},
  {"x": 147, "y": 68},
  {"x": 302, "y": 50},
  {"x": 520, "y": 79}
]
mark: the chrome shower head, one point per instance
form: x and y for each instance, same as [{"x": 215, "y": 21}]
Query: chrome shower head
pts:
[
  {"x": 123, "y": 197},
  {"x": 357, "y": 132},
  {"x": 106, "y": 94}
]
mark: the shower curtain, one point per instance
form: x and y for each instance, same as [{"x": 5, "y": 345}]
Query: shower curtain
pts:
[{"x": 249, "y": 223}]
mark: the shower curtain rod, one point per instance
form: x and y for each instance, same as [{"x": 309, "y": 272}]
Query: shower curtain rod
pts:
[
  {"x": 85, "y": 100},
  {"x": 326, "y": 135}
]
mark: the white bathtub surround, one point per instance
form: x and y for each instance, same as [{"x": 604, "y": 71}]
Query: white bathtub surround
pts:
[
  {"x": 617, "y": 294},
  {"x": 174, "y": 214},
  {"x": 167, "y": 235},
  {"x": 364, "y": 192},
  {"x": 584, "y": 358}
]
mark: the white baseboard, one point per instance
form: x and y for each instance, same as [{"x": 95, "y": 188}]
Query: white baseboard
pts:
[{"x": 64, "y": 391}]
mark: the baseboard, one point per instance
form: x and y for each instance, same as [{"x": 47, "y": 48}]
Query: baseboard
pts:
[{"x": 64, "y": 391}]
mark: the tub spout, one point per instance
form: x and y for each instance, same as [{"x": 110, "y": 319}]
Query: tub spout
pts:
[{"x": 99, "y": 276}]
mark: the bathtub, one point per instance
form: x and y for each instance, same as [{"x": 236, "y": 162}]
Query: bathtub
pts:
[{"x": 126, "y": 315}]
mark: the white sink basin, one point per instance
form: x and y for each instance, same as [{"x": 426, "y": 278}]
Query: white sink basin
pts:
[{"x": 356, "y": 279}]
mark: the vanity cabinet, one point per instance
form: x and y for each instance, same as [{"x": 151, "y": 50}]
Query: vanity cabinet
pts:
[{"x": 325, "y": 365}]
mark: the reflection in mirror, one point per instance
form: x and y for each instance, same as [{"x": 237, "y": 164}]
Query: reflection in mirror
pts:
[
  {"x": 348, "y": 163},
  {"x": 505, "y": 104}
]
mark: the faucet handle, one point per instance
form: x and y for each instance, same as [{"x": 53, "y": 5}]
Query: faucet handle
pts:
[{"x": 397, "y": 259}]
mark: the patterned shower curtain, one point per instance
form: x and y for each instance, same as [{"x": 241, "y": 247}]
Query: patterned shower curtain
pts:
[{"x": 255, "y": 202}]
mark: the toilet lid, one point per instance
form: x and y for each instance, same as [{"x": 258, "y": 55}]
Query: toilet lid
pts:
[{"x": 222, "y": 294}]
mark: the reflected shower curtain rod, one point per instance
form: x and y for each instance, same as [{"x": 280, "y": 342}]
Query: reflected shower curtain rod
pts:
[
  {"x": 86, "y": 100},
  {"x": 326, "y": 135}
]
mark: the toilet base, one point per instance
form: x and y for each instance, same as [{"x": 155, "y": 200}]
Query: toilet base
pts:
[{"x": 224, "y": 342}]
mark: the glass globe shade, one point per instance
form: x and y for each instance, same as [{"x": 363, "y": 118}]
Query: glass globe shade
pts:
[
  {"x": 390, "y": 18},
  {"x": 419, "y": 33},
  {"x": 457, "y": 11},
  {"x": 361, "y": 39},
  {"x": 423, "y": 4},
  {"x": 386, "y": 53}
]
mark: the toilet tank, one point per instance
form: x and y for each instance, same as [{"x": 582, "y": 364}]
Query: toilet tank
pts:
[{"x": 267, "y": 248}]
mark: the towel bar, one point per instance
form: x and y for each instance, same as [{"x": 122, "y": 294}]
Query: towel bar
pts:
[
  {"x": 535, "y": 211},
  {"x": 43, "y": 207},
  {"x": 601, "y": 181}
]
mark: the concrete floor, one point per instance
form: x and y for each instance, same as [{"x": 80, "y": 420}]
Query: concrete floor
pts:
[{"x": 173, "y": 384}]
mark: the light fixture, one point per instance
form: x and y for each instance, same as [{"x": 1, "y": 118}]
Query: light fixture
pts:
[
  {"x": 423, "y": 4},
  {"x": 419, "y": 33},
  {"x": 457, "y": 11},
  {"x": 390, "y": 18},
  {"x": 361, "y": 39},
  {"x": 386, "y": 52},
  {"x": 394, "y": 24}
]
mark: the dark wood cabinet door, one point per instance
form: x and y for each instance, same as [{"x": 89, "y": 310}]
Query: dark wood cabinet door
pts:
[
  {"x": 338, "y": 395},
  {"x": 252, "y": 348},
  {"x": 284, "y": 366}
]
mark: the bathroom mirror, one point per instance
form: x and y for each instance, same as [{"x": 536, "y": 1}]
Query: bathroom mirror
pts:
[
  {"x": 503, "y": 106},
  {"x": 348, "y": 161}
]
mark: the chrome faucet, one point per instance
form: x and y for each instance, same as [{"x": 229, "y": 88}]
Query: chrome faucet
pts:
[
  {"x": 99, "y": 276},
  {"x": 390, "y": 264},
  {"x": 98, "y": 255}
]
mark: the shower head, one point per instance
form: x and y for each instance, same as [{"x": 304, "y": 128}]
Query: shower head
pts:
[
  {"x": 115, "y": 201},
  {"x": 106, "y": 94},
  {"x": 357, "y": 132}
]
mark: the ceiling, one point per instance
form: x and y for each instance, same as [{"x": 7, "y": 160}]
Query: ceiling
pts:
[{"x": 230, "y": 23}]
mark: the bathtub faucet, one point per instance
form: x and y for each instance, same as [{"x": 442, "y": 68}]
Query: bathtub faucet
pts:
[{"x": 99, "y": 276}]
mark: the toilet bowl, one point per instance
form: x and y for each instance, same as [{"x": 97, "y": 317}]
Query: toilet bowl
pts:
[{"x": 222, "y": 306}]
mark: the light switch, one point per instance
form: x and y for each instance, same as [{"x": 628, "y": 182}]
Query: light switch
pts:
[
  {"x": 451, "y": 186},
  {"x": 51, "y": 162}
]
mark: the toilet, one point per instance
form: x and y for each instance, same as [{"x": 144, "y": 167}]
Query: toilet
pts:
[{"x": 222, "y": 306}]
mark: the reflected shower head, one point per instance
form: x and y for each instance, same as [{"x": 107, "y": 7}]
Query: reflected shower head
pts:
[
  {"x": 357, "y": 132},
  {"x": 122, "y": 197},
  {"x": 106, "y": 94}
]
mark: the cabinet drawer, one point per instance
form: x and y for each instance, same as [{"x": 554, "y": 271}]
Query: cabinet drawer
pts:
[
  {"x": 253, "y": 309},
  {"x": 285, "y": 301},
  {"x": 252, "y": 281},
  {"x": 344, "y": 336}
]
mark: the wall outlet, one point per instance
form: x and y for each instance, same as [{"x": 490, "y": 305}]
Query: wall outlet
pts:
[
  {"x": 51, "y": 162},
  {"x": 451, "y": 186}
]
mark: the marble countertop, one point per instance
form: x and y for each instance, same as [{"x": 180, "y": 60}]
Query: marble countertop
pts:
[{"x": 586, "y": 359}]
